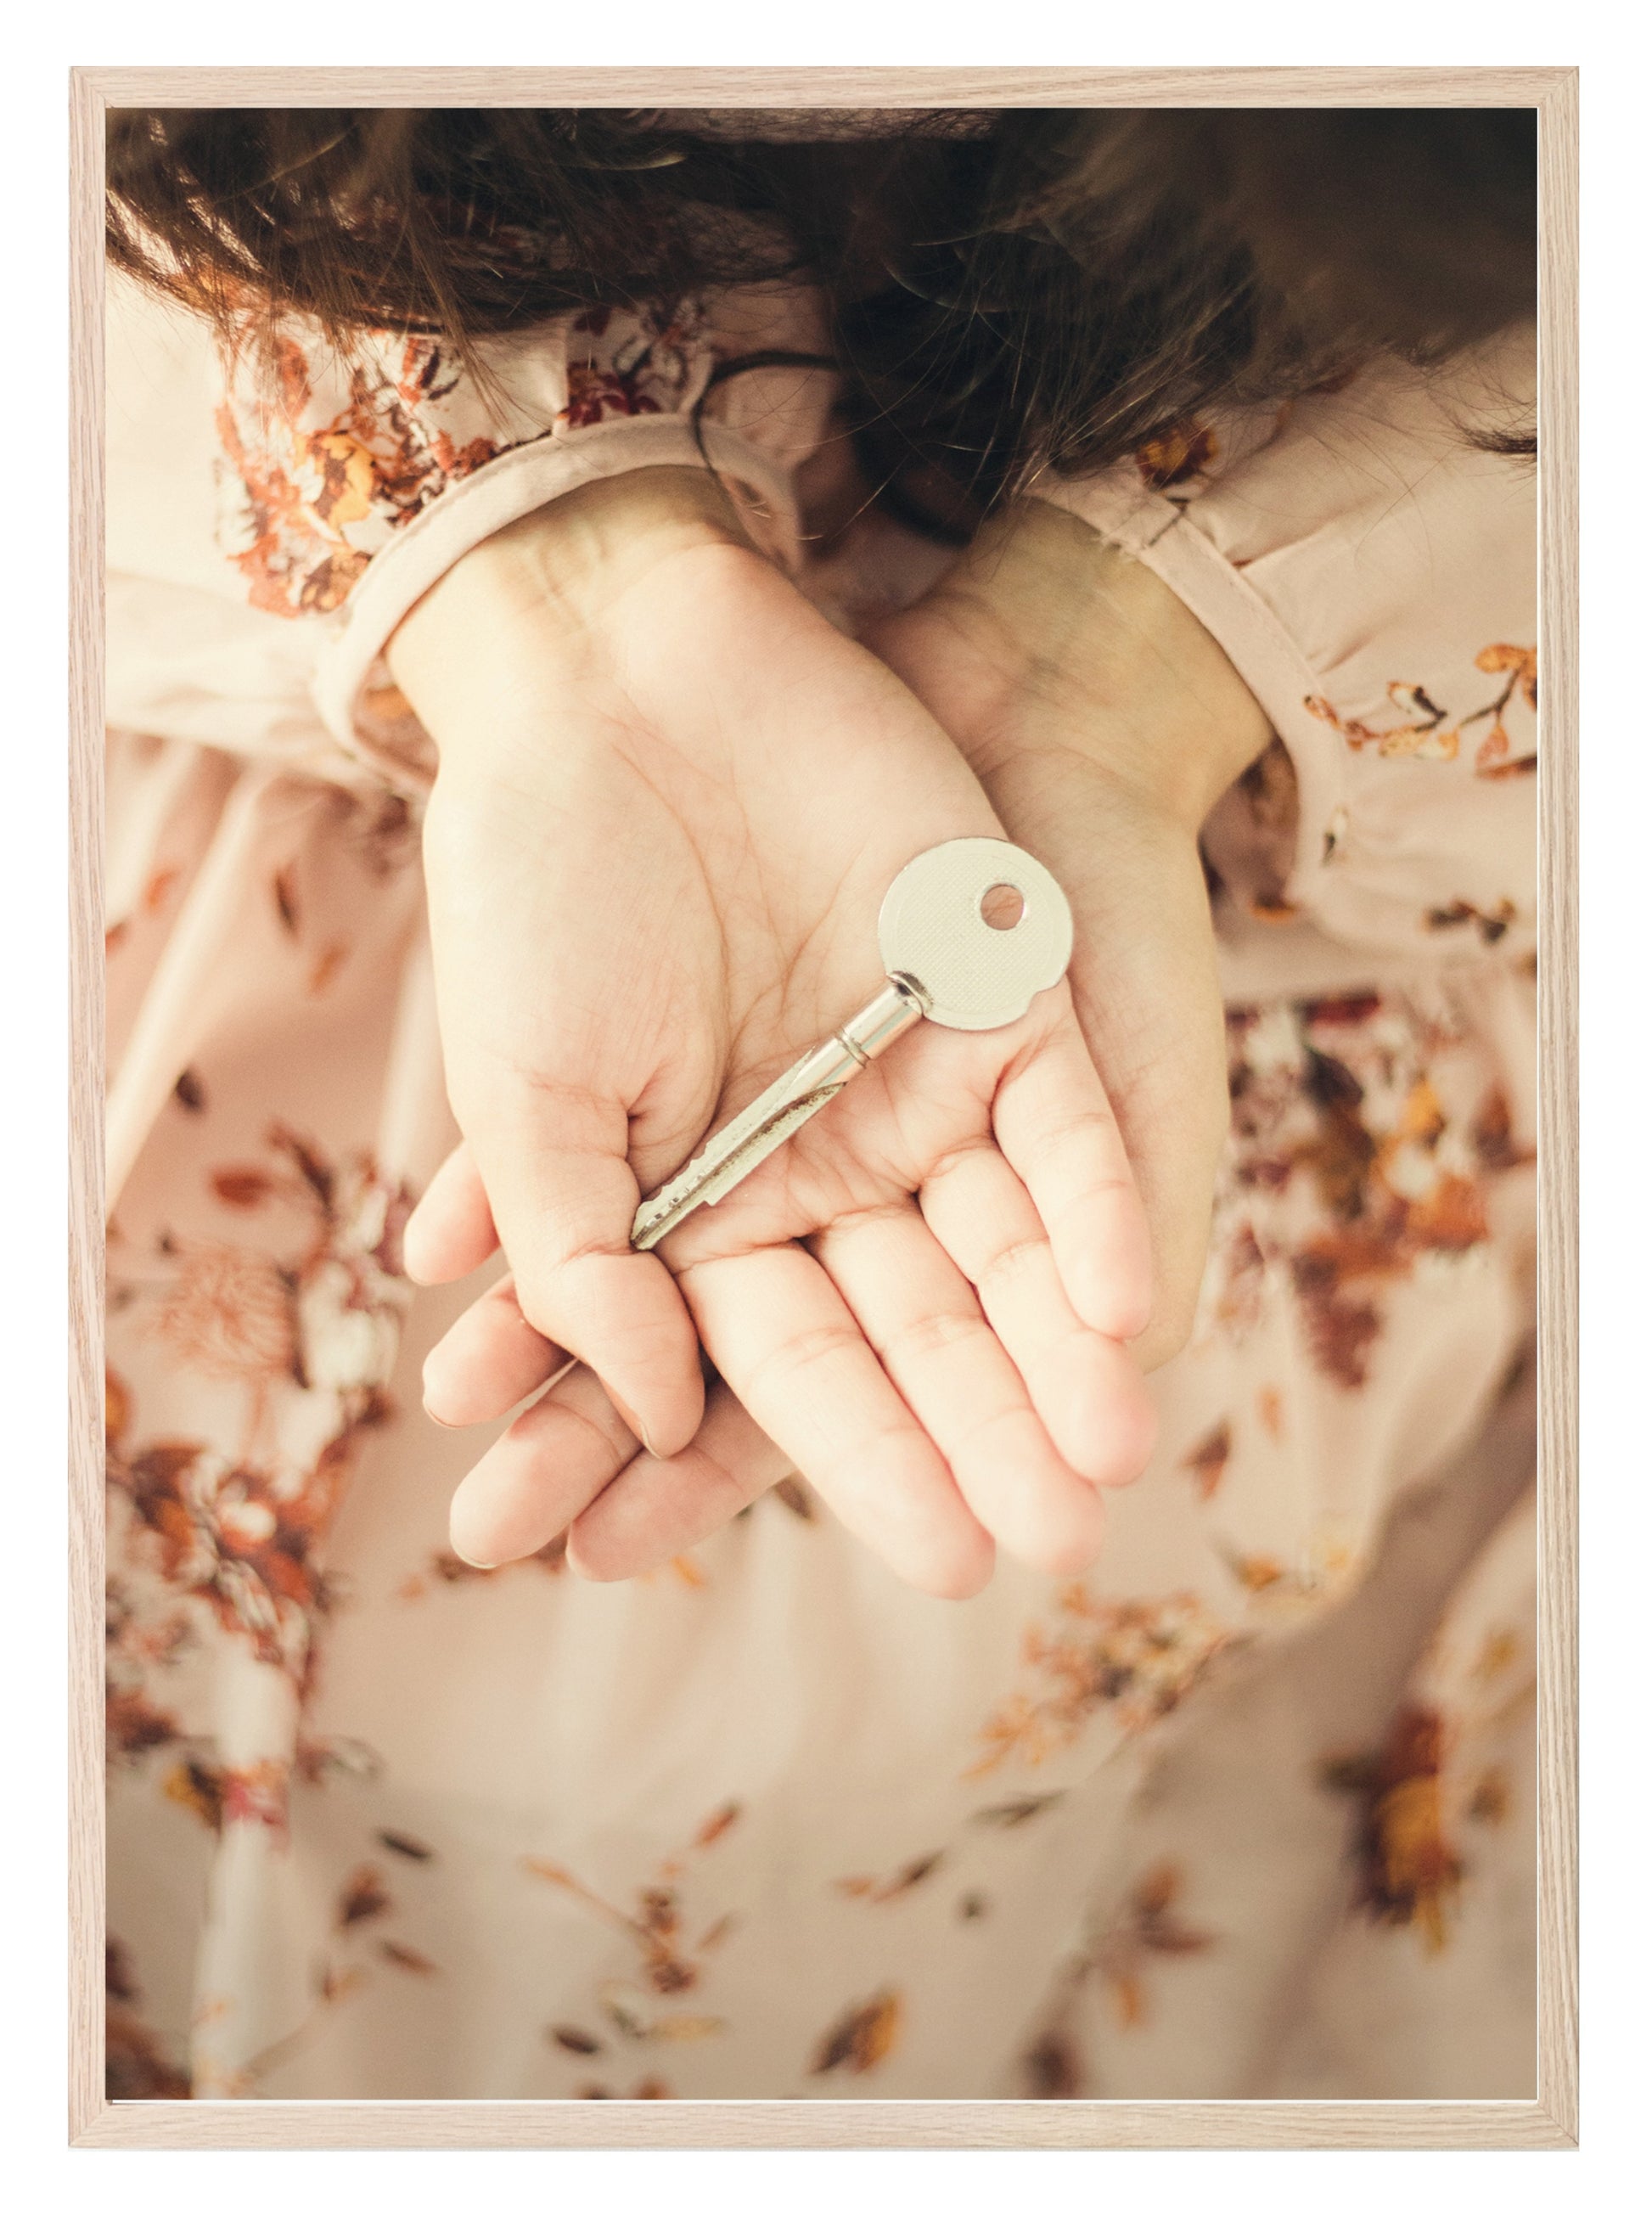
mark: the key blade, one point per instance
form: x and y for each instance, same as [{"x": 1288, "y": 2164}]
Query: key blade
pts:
[
  {"x": 732, "y": 1153},
  {"x": 813, "y": 1081},
  {"x": 717, "y": 1170}
]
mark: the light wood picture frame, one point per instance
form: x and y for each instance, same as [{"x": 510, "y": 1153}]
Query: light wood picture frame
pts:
[{"x": 1549, "y": 2121}]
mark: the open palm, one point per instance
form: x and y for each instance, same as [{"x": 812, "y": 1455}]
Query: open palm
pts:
[{"x": 652, "y": 885}]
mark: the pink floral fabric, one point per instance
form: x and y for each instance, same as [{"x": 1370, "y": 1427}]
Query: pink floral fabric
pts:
[
  {"x": 768, "y": 1823},
  {"x": 1373, "y": 575},
  {"x": 327, "y": 455}
]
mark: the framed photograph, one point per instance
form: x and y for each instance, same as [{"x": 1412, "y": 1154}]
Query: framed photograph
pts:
[{"x": 823, "y": 1298}]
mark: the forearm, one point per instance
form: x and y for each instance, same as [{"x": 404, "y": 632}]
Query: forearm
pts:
[
  {"x": 1127, "y": 674},
  {"x": 492, "y": 641}
]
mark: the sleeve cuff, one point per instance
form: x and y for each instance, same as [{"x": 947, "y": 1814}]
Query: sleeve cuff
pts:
[
  {"x": 353, "y": 693},
  {"x": 1157, "y": 533}
]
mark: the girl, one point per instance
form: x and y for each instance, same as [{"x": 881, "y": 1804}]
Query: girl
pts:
[{"x": 686, "y": 518}]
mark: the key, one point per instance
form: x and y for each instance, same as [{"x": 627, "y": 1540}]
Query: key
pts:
[{"x": 968, "y": 934}]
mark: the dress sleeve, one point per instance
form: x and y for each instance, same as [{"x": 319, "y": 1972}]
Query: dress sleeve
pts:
[
  {"x": 1371, "y": 574},
  {"x": 351, "y": 479}
]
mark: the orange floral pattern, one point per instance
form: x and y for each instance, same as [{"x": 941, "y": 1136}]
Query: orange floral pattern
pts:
[
  {"x": 383, "y": 1825},
  {"x": 214, "y": 1546},
  {"x": 672, "y": 1960},
  {"x": 137, "y": 2067},
  {"x": 1425, "y": 730},
  {"x": 1178, "y": 456},
  {"x": 327, "y": 455},
  {"x": 1148, "y": 1923},
  {"x": 1363, "y": 1146},
  {"x": 1409, "y": 1871},
  {"x": 1133, "y": 1660},
  {"x": 235, "y": 1531},
  {"x": 863, "y": 2036},
  {"x": 1119, "y": 1954}
]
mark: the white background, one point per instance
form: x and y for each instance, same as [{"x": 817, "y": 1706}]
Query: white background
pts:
[{"x": 1610, "y": 2172}]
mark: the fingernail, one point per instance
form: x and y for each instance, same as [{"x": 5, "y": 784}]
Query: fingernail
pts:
[
  {"x": 470, "y": 1561},
  {"x": 442, "y": 1420},
  {"x": 632, "y": 1424},
  {"x": 408, "y": 1270}
]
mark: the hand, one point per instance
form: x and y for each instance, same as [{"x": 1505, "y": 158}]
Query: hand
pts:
[
  {"x": 670, "y": 799},
  {"x": 1104, "y": 723}
]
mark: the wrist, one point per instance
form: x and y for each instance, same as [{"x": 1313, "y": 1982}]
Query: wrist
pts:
[
  {"x": 1115, "y": 663},
  {"x": 497, "y": 639}
]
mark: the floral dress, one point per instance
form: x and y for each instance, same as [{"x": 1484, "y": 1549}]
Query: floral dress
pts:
[{"x": 1246, "y": 1811}]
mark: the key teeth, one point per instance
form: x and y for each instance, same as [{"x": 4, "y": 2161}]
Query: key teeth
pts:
[
  {"x": 650, "y": 1226},
  {"x": 663, "y": 1210},
  {"x": 813, "y": 1080},
  {"x": 647, "y": 1225},
  {"x": 658, "y": 1213}
]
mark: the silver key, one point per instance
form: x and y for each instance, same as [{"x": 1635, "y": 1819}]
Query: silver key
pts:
[{"x": 952, "y": 948}]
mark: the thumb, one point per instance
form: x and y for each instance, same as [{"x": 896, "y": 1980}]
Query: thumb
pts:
[{"x": 554, "y": 1164}]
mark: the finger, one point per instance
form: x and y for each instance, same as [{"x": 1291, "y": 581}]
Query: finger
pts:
[
  {"x": 490, "y": 1359},
  {"x": 1088, "y": 1389},
  {"x": 534, "y": 1480},
  {"x": 451, "y": 1232},
  {"x": 780, "y": 1334},
  {"x": 563, "y": 1196},
  {"x": 655, "y": 1510},
  {"x": 922, "y": 1320},
  {"x": 1056, "y": 1127}
]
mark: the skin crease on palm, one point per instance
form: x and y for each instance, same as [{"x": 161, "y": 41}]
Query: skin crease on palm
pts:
[
  {"x": 922, "y": 1359},
  {"x": 670, "y": 799}
]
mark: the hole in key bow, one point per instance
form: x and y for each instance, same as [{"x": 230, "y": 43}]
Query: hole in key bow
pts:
[{"x": 1002, "y": 906}]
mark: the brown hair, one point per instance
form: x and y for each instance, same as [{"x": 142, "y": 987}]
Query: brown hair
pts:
[{"x": 1006, "y": 289}]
